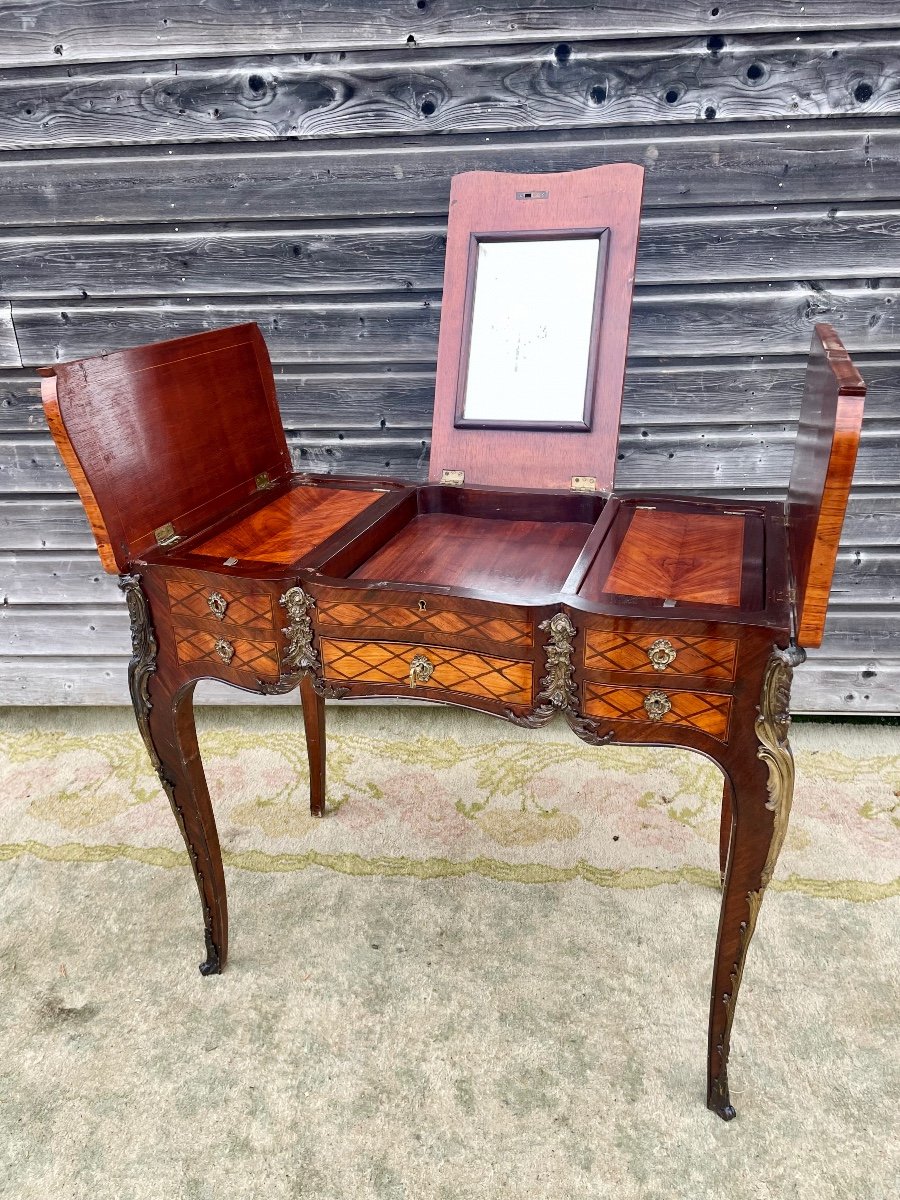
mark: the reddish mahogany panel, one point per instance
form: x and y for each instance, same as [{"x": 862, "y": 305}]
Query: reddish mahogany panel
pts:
[
  {"x": 524, "y": 559},
  {"x": 694, "y": 557},
  {"x": 174, "y": 432},
  {"x": 824, "y": 457},
  {"x": 488, "y": 202},
  {"x": 290, "y": 526}
]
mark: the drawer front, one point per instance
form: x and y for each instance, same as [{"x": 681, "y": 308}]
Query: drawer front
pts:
[
  {"x": 437, "y": 667},
  {"x": 659, "y": 654},
  {"x": 229, "y": 654},
  {"x": 704, "y": 711},
  {"x": 421, "y": 616},
  {"x": 206, "y": 601}
]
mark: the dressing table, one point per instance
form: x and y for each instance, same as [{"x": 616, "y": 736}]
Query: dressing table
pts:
[{"x": 514, "y": 581}]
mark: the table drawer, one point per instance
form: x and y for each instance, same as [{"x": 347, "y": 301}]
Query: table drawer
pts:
[
  {"x": 708, "y": 712},
  {"x": 231, "y": 656},
  {"x": 659, "y": 654},
  {"x": 191, "y": 601},
  {"x": 437, "y": 668},
  {"x": 423, "y": 616}
]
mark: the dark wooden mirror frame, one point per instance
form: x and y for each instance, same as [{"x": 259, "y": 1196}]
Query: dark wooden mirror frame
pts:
[{"x": 593, "y": 365}]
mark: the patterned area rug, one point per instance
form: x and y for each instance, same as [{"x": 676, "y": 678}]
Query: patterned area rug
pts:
[
  {"x": 401, "y": 1017},
  {"x": 434, "y": 792}
]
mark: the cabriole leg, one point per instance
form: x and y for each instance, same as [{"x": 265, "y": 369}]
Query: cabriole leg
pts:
[
  {"x": 165, "y": 717},
  {"x": 314, "y": 727},
  {"x": 174, "y": 737},
  {"x": 761, "y": 795}
]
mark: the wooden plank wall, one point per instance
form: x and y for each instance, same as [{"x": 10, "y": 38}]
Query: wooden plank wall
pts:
[{"x": 174, "y": 167}]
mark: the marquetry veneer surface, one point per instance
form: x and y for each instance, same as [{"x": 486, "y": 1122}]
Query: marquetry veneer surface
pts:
[
  {"x": 257, "y": 658},
  {"x": 454, "y": 670},
  {"x": 191, "y": 601},
  {"x": 525, "y": 559},
  {"x": 511, "y": 631},
  {"x": 290, "y": 526},
  {"x": 705, "y": 711},
  {"x": 607, "y": 650},
  {"x": 695, "y": 557}
]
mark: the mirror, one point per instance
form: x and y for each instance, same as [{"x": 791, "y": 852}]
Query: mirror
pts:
[{"x": 531, "y": 322}]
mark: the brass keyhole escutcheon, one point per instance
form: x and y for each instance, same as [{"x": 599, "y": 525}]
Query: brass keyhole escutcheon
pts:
[
  {"x": 225, "y": 651},
  {"x": 657, "y": 704},
  {"x": 661, "y": 653},
  {"x": 421, "y": 670},
  {"x": 423, "y": 607},
  {"x": 217, "y": 604}
]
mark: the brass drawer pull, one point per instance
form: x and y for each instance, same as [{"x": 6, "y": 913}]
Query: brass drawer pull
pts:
[
  {"x": 225, "y": 651},
  {"x": 420, "y": 670},
  {"x": 661, "y": 653},
  {"x": 217, "y": 604},
  {"x": 657, "y": 704}
]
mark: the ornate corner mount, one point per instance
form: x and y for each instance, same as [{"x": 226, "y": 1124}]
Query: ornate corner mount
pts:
[
  {"x": 558, "y": 685},
  {"x": 772, "y": 728},
  {"x": 559, "y": 693},
  {"x": 144, "y": 650},
  {"x": 329, "y": 691},
  {"x": 300, "y": 655},
  {"x": 589, "y": 731}
]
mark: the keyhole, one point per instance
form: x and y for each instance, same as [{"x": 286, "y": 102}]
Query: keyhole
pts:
[{"x": 422, "y": 606}]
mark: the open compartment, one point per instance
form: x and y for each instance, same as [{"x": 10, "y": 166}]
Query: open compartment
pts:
[
  {"x": 673, "y": 554},
  {"x": 521, "y": 546},
  {"x": 292, "y": 524}
]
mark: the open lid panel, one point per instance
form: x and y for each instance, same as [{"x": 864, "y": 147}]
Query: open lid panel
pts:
[
  {"x": 831, "y": 414},
  {"x": 163, "y": 439},
  {"x": 534, "y": 327}
]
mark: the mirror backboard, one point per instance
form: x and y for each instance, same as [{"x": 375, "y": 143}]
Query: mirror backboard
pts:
[{"x": 534, "y": 326}]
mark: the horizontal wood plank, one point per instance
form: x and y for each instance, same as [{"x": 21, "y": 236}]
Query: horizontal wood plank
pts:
[
  {"x": 735, "y": 392},
  {"x": 9, "y": 346},
  {"x": 694, "y": 247},
  {"x": 766, "y": 163},
  {"x": 675, "y": 458},
  {"x": 70, "y": 31},
  {"x": 716, "y": 320},
  {"x": 421, "y": 92}
]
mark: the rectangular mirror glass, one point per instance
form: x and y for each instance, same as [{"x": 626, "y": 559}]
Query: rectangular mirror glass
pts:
[{"x": 530, "y": 333}]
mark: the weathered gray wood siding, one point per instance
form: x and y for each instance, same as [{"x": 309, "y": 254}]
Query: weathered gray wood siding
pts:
[{"x": 167, "y": 168}]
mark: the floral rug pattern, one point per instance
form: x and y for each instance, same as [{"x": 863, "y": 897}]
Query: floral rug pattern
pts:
[{"x": 435, "y": 792}]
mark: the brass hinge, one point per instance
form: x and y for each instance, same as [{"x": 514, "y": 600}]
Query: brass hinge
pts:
[
  {"x": 453, "y": 478},
  {"x": 584, "y": 483},
  {"x": 166, "y": 535},
  {"x": 263, "y": 481}
]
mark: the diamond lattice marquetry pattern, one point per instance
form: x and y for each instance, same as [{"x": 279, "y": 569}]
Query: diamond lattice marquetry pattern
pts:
[
  {"x": 607, "y": 650},
  {"x": 190, "y": 600},
  {"x": 454, "y": 670},
  {"x": 396, "y": 616},
  {"x": 250, "y": 657},
  {"x": 705, "y": 711}
]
